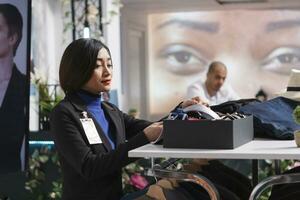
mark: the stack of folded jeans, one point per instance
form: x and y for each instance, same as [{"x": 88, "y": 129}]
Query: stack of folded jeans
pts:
[{"x": 273, "y": 118}]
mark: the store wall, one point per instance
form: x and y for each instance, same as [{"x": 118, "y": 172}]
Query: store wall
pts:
[
  {"x": 134, "y": 61},
  {"x": 48, "y": 39},
  {"x": 112, "y": 39}
]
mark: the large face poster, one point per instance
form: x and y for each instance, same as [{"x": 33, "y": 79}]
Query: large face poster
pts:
[
  {"x": 259, "y": 48},
  {"x": 14, "y": 83}
]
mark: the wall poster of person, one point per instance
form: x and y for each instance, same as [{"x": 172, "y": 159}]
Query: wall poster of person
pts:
[
  {"x": 14, "y": 83},
  {"x": 259, "y": 48}
]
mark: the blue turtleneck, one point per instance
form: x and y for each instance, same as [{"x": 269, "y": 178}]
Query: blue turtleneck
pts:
[{"x": 93, "y": 103}]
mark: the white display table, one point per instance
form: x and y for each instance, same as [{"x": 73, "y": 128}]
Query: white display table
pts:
[{"x": 256, "y": 149}]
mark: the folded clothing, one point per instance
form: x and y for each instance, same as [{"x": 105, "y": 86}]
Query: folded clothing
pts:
[
  {"x": 273, "y": 118},
  {"x": 232, "y": 106}
]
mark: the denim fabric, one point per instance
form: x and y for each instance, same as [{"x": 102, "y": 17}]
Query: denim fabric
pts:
[{"x": 273, "y": 118}]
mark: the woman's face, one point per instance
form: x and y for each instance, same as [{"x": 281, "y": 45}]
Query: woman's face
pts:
[
  {"x": 259, "y": 49},
  {"x": 7, "y": 42},
  {"x": 100, "y": 80}
]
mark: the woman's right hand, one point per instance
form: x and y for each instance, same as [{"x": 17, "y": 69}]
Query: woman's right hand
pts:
[
  {"x": 153, "y": 131},
  {"x": 194, "y": 100}
]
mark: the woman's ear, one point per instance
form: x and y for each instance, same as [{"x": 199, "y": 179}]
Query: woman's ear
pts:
[{"x": 12, "y": 39}]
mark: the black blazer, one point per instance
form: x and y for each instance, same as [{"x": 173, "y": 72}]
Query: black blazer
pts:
[
  {"x": 93, "y": 172},
  {"x": 13, "y": 122}
]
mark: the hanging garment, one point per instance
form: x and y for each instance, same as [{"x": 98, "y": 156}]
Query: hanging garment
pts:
[
  {"x": 159, "y": 193},
  {"x": 286, "y": 191},
  {"x": 224, "y": 176},
  {"x": 199, "y": 193}
]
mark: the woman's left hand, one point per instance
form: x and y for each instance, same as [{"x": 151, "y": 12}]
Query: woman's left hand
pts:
[{"x": 192, "y": 101}]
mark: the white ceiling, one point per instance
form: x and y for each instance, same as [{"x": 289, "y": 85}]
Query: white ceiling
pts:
[{"x": 151, "y": 6}]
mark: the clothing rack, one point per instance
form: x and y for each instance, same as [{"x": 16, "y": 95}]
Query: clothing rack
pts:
[
  {"x": 159, "y": 170},
  {"x": 274, "y": 180}
]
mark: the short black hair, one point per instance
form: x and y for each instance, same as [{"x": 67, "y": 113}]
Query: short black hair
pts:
[
  {"x": 213, "y": 66},
  {"x": 14, "y": 22},
  {"x": 78, "y": 63}
]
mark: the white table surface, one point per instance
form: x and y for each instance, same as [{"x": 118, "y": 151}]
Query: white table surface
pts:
[{"x": 256, "y": 149}]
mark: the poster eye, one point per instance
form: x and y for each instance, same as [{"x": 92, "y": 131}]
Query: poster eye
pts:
[
  {"x": 181, "y": 59},
  {"x": 281, "y": 60}
]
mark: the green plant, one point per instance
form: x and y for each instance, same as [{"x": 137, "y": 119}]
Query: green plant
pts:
[
  {"x": 296, "y": 114},
  {"x": 37, "y": 176},
  {"x": 133, "y": 112},
  {"x": 56, "y": 192},
  {"x": 127, "y": 173},
  {"x": 47, "y": 101},
  {"x": 49, "y": 96}
]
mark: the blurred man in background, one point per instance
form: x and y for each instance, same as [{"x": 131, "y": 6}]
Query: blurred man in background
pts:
[{"x": 213, "y": 90}]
